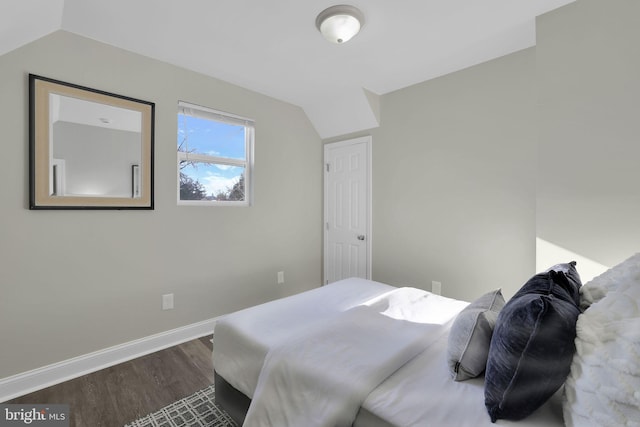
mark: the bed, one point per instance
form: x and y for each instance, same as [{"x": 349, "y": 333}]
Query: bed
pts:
[{"x": 320, "y": 358}]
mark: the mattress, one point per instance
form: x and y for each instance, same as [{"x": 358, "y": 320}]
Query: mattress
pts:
[{"x": 420, "y": 393}]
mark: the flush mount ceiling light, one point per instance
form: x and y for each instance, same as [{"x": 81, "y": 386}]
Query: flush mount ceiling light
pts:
[{"x": 339, "y": 24}]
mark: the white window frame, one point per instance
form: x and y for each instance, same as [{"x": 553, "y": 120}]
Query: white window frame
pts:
[{"x": 249, "y": 136}]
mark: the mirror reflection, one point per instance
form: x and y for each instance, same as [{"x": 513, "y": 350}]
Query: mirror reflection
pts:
[{"x": 96, "y": 149}]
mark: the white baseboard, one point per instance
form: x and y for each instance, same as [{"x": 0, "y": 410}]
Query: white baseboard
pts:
[{"x": 37, "y": 379}]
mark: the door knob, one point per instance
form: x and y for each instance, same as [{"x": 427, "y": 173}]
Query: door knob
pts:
[{"x": 361, "y": 237}]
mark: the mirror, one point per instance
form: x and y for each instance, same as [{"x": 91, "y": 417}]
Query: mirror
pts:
[{"x": 89, "y": 149}]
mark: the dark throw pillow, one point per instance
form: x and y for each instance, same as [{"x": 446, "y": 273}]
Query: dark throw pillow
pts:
[
  {"x": 565, "y": 283},
  {"x": 532, "y": 346}
]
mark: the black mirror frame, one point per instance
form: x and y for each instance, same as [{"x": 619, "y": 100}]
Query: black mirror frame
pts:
[{"x": 39, "y": 197}]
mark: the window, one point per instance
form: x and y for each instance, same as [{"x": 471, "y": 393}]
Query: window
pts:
[{"x": 215, "y": 152}]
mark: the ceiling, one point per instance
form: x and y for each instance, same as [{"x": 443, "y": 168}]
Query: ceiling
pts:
[{"x": 273, "y": 46}]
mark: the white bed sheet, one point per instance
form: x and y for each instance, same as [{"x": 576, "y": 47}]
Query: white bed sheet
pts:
[
  {"x": 322, "y": 376},
  {"x": 242, "y": 339},
  {"x": 422, "y": 394}
]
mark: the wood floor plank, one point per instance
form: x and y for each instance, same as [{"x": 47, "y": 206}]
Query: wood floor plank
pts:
[{"x": 122, "y": 393}]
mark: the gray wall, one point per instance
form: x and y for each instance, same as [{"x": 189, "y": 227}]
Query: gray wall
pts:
[
  {"x": 473, "y": 168},
  {"x": 73, "y": 282},
  {"x": 454, "y": 180},
  {"x": 589, "y": 95}
]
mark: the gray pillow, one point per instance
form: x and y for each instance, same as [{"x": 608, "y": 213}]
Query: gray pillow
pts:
[{"x": 470, "y": 336}]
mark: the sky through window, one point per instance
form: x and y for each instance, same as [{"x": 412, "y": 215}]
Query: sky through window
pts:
[{"x": 212, "y": 138}]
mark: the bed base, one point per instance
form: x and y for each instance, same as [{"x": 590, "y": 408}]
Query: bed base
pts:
[{"x": 230, "y": 399}]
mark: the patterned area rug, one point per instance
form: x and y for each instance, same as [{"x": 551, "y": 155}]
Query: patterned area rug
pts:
[{"x": 197, "y": 410}]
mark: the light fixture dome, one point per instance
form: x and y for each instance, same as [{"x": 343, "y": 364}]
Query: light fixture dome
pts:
[{"x": 339, "y": 24}]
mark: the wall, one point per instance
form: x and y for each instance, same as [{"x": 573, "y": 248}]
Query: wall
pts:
[
  {"x": 532, "y": 156},
  {"x": 588, "y": 199},
  {"x": 73, "y": 282},
  {"x": 454, "y": 180}
]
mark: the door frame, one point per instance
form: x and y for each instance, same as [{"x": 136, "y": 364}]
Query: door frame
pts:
[{"x": 367, "y": 141}]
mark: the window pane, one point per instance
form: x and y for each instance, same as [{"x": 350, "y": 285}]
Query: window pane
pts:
[
  {"x": 205, "y": 181},
  {"x": 202, "y": 136}
]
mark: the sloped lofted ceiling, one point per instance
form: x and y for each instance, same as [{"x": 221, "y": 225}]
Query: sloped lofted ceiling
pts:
[{"x": 273, "y": 46}]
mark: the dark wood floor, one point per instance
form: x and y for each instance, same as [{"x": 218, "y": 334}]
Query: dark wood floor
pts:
[{"x": 117, "y": 395}]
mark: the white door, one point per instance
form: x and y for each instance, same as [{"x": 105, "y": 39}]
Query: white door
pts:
[{"x": 347, "y": 209}]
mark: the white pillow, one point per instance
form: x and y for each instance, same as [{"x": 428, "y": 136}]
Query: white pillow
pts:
[
  {"x": 603, "y": 388},
  {"x": 470, "y": 336}
]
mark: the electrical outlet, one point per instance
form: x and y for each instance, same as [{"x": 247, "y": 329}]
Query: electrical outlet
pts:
[
  {"x": 280, "y": 277},
  {"x": 436, "y": 287},
  {"x": 167, "y": 302}
]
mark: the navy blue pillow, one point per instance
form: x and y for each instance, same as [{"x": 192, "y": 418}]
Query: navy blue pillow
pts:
[
  {"x": 565, "y": 286},
  {"x": 532, "y": 344}
]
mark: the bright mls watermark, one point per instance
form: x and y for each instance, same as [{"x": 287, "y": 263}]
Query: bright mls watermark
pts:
[{"x": 34, "y": 415}]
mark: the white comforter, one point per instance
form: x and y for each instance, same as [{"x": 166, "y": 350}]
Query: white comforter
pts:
[
  {"x": 321, "y": 377},
  {"x": 243, "y": 339}
]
